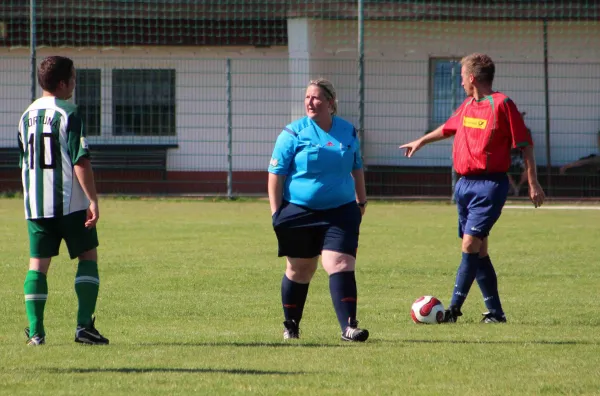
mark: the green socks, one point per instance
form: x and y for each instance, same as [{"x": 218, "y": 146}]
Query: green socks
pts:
[
  {"x": 87, "y": 284},
  {"x": 36, "y": 294}
]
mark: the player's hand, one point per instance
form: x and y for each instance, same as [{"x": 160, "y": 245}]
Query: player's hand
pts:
[
  {"x": 411, "y": 147},
  {"x": 536, "y": 194},
  {"x": 362, "y": 210},
  {"x": 93, "y": 214}
]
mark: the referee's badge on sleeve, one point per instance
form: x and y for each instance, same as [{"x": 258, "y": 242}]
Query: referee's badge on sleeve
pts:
[
  {"x": 273, "y": 162},
  {"x": 83, "y": 143}
]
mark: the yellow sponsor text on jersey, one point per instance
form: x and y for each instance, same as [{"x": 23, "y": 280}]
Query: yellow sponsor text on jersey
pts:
[{"x": 470, "y": 122}]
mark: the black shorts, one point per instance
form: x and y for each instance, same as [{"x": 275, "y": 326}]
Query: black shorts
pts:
[{"x": 304, "y": 233}]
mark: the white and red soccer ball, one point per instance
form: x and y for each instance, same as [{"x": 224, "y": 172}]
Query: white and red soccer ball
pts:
[{"x": 427, "y": 310}]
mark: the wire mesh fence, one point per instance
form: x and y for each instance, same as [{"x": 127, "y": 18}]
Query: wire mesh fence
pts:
[{"x": 188, "y": 97}]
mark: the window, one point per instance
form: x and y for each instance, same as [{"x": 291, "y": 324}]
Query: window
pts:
[
  {"x": 88, "y": 99},
  {"x": 143, "y": 102},
  {"x": 446, "y": 92}
]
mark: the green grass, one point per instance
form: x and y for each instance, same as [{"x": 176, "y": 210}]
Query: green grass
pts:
[{"x": 190, "y": 300}]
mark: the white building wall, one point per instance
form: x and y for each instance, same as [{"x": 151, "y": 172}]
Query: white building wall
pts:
[
  {"x": 260, "y": 100},
  {"x": 396, "y": 87},
  {"x": 397, "y": 80}
]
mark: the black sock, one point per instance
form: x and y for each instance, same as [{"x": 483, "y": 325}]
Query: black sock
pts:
[
  {"x": 342, "y": 286},
  {"x": 293, "y": 297}
]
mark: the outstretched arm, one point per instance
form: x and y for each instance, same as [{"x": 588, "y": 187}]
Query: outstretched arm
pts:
[
  {"x": 583, "y": 162},
  {"x": 431, "y": 137}
]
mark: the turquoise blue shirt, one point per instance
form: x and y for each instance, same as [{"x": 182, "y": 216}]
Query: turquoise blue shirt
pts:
[{"x": 317, "y": 164}]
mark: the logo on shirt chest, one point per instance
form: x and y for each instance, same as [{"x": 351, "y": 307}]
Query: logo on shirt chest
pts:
[{"x": 478, "y": 123}]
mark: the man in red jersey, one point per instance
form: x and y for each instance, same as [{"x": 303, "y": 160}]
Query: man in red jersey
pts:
[{"x": 485, "y": 128}]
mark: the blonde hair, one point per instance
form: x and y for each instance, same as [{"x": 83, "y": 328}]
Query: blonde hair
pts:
[
  {"x": 328, "y": 90},
  {"x": 480, "y": 66}
]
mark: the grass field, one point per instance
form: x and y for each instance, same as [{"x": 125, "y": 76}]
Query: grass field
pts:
[{"x": 190, "y": 299}]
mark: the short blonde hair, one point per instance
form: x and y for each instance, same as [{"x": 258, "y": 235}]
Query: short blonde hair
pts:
[
  {"x": 328, "y": 90},
  {"x": 480, "y": 66}
]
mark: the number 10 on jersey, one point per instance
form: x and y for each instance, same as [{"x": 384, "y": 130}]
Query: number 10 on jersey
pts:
[{"x": 45, "y": 158}]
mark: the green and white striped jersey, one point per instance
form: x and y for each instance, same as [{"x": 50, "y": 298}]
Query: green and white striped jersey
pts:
[{"x": 51, "y": 141}]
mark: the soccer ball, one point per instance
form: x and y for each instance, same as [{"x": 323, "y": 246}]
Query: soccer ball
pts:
[{"x": 427, "y": 309}]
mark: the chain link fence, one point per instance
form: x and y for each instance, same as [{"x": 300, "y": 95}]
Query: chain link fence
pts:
[{"x": 188, "y": 97}]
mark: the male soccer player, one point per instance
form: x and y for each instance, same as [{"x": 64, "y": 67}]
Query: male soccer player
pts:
[
  {"x": 485, "y": 127},
  {"x": 60, "y": 199}
]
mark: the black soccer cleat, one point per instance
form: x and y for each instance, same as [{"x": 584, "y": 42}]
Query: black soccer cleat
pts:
[
  {"x": 451, "y": 315},
  {"x": 354, "y": 334},
  {"x": 489, "y": 317},
  {"x": 89, "y": 335},
  {"x": 35, "y": 340},
  {"x": 291, "y": 331}
]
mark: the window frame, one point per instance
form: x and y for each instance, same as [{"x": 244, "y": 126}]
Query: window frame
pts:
[
  {"x": 82, "y": 77},
  {"x": 122, "y": 83},
  {"x": 459, "y": 94}
]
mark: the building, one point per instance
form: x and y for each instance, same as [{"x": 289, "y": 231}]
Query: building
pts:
[{"x": 153, "y": 82}]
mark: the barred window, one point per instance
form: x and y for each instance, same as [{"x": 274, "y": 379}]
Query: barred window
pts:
[
  {"x": 446, "y": 92},
  {"x": 88, "y": 97},
  {"x": 143, "y": 102}
]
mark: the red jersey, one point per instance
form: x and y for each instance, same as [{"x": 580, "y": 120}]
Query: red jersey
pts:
[{"x": 484, "y": 133}]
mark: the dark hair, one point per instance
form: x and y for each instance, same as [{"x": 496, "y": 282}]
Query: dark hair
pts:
[
  {"x": 480, "y": 66},
  {"x": 53, "y": 70}
]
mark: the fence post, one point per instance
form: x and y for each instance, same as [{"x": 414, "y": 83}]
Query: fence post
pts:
[
  {"x": 32, "y": 45},
  {"x": 547, "y": 106},
  {"x": 229, "y": 132},
  {"x": 361, "y": 77},
  {"x": 453, "y": 171}
]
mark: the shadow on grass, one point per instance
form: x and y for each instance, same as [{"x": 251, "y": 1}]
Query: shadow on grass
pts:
[
  {"x": 143, "y": 370},
  {"x": 500, "y": 342},
  {"x": 292, "y": 344}
]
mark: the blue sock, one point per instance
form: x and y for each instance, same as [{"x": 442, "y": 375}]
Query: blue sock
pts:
[
  {"x": 293, "y": 297},
  {"x": 488, "y": 283},
  {"x": 464, "y": 278},
  {"x": 342, "y": 286}
]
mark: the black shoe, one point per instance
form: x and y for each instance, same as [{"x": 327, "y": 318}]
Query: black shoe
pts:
[
  {"x": 35, "y": 340},
  {"x": 354, "y": 333},
  {"x": 451, "y": 315},
  {"x": 89, "y": 335},
  {"x": 292, "y": 330},
  {"x": 489, "y": 317}
]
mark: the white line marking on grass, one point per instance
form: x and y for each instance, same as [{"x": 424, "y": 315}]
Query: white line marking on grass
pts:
[{"x": 555, "y": 207}]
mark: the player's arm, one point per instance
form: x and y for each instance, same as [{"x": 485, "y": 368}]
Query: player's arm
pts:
[
  {"x": 444, "y": 131},
  {"x": 21, "y": 148},
  {"x": 521, "y": 138},
  {"x": 360, "y": 188},
  {"x": 415, "y": 145},
  {"x": 85, "y": 176},
  {"x": 275, "y": 190},
  {"x": 582, "y": 162},
  {"x": 279, "y": 166},
  {"x": 358, "y": 173},
  {"x": 82, "y": 166}
]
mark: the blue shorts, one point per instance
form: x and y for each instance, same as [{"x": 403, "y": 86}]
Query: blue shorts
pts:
[
  {"x": 480, "y": 200},
  {"x": 304, "y": 233}
]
